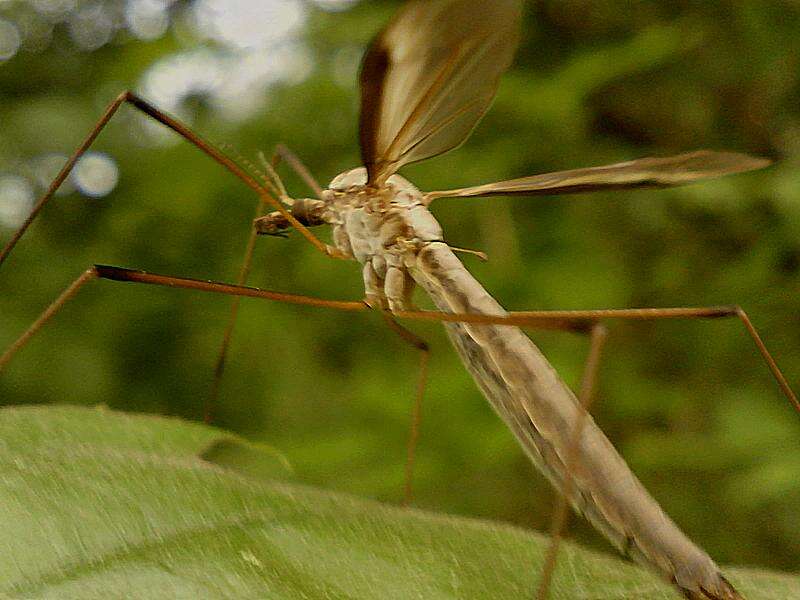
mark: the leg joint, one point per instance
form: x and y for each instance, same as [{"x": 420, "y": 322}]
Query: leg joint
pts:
[
  {"x": 113, "y": 273},
  {"x": 125, "y": 96}
]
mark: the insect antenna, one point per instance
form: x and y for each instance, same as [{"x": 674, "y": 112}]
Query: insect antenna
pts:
[
  {"x": 276, "y": 179},
  {"x": 249, "y": 166}
]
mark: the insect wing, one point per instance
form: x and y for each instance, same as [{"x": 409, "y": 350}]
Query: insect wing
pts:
[
  {"x": 429, "y": 77},
  {"x": 645, "y": 172}
]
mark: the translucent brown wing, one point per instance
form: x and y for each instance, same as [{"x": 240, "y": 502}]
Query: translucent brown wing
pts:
[
  {"x": 645, "y": 172},
  {"x": 429, "y": 77}
]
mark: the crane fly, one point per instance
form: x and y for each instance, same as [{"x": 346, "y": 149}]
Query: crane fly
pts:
[{"x": 426, "y": 81}]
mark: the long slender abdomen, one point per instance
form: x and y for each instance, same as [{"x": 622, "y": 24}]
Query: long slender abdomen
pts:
[{"x": 541, "y": 411}]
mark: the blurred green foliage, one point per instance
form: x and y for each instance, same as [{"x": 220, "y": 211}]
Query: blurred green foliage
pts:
[{"x": 689, "y": 404}]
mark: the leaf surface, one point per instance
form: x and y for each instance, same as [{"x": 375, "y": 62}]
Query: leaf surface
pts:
[{"x": 99, "y": 504}]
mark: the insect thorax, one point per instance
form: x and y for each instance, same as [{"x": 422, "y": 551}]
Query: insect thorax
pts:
[{"x": 383, "y": 229}]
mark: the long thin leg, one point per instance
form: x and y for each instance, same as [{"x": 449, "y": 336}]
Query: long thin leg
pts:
[
  {"x": 48, "y": 314},
  {"x": 416, "y": 411},
  {"x": 244, "y": 272},
  {"x": 598, "y": 335},
  {"x": 582, "y": 320},
  {"x": 128, "y": 275},
  {"x": 219, "y": 365},
  {"x": 182, "y": 130},
  {"x": 281, "y": 153}
]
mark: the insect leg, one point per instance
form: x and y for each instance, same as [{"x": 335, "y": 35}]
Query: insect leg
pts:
[
  {"x": 69, "y": 293},
  {"x": 244, "y": 271},
  {"x": 597, "y": 337},
  {"x": 128, "y": 275},
  {"x": 281, "y": 153},
  {"x": 577, "y": 319},
  {"x": 185, "y": 132},
  {"x": 219, "y": 365},
  {"x": 416, "y": 412},
  {"x": 561, "y": 512}
]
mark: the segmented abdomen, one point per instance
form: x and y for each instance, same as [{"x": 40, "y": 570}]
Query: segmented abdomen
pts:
[{"x": 541, "y": 411}]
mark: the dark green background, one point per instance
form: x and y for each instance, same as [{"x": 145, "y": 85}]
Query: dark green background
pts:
[{"x": 689, "y": 404}]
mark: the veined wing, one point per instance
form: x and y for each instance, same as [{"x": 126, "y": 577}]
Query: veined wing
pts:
[
  {"x": 429, "y": 77},
  {"x": 645, "y": 172}
]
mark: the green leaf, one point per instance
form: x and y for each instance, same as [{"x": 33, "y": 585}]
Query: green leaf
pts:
[{"x": 98, "y": 504}]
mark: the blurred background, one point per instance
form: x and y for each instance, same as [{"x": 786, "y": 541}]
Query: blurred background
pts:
[{"x": 689, "y": 404}]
